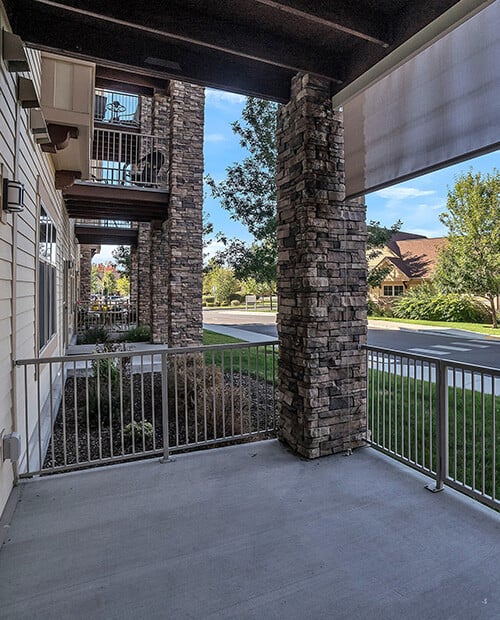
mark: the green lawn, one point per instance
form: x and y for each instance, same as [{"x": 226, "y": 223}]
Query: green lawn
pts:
[
  {"x": 256, "y": 361},
  {"x": 402, "y": 418},
  {"x": 473, "y": 327}
]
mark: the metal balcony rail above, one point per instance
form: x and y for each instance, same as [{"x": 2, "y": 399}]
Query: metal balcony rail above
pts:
[
  {"x": 129, "y": 159},
  {"x": 117, "y": 108},
  {"x": 88, "y": 410},
  {"x": 438, "y": 416},
  {"x": 104, "y": 223},
  {"x": 112, "y": 315}
]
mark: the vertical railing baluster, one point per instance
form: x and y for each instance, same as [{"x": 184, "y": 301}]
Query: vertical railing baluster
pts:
[{"x": 441, "y": 426}]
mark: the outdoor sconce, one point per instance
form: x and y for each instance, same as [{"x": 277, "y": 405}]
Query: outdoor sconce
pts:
[
  {"x": 13, "y": 196},
  {"x": 13, "y": 53}
]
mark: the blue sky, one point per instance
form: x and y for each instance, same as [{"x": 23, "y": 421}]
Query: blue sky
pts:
[{"x": 417, "y": 203}]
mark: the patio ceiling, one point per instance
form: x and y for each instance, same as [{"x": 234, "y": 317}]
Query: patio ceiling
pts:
[{"x": 248, "y": 46}]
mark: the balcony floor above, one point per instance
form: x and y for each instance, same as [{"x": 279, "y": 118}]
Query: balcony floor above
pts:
[
  {"x": 100, "y": 201},
  {"x": 249, "y": 531}
]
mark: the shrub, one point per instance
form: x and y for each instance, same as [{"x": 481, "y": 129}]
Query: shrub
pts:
[
  {"x": 201, "y": 401},
  {"x": 209, "y": 304},
  {"x": 235, "y": 302},
  {"x": 208, "y": 299},
  {"x": 139, "y": 431},
  {"x": 425, "y": 303},
  {"x": 239, "y": 297},
  {"x": 109, "y": 385},
  {"x": 141, "y": 333},
  {"x": 94, "y": 335}
]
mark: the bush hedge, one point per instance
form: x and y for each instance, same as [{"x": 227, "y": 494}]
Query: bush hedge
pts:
[{"x": 424, "y": 303}]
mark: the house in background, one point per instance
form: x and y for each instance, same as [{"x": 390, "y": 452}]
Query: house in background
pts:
[{"x": 410, "y": 260}]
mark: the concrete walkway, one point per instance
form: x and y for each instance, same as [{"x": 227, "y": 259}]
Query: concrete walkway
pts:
[{"x": 249, "y": 532}]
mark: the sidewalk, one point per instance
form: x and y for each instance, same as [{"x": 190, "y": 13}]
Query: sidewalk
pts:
[{"x": 236, "y": 332}]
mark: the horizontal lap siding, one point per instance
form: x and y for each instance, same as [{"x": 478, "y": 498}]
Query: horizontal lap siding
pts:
[{"x": 35, "y": 170}]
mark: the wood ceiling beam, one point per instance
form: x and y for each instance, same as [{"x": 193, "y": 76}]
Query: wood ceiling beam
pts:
[
  {"x": 341, "y": 17},
  {"x": 187, "y": 27},
  {"x": 127, "y": 81},
  {"x": 109, "y": 45}
]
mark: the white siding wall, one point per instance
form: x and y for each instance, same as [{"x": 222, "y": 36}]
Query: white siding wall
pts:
[{"x": 18, "y": 242}]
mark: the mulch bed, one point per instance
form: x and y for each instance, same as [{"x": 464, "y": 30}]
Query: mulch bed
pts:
[{"x": 83, "y": 436}]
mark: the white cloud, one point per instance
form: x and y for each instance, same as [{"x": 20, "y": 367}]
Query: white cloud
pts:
[
  {"x": 403, "y": 193},
  {"x": 211, "y": 249},
  {"x": 215, "y": 137},
  {"x": 105, "y": 255},
  {"x": 221, "y": 97}
]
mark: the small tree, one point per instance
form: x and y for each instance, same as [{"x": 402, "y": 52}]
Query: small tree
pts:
[
  {"x": 221, "y": 283},
  {"x": 121, "y": 254},
  {"x": 470, "y": 262}
]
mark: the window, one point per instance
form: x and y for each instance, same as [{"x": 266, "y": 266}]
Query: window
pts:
[
  {"x": 47, "y": 254},
  {"x": 394, "y": 291}
]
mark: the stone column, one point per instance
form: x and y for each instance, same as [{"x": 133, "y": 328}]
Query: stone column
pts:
[
  {"x": 85, "y": 269},
  {"x": 144, "y": 274},
  {"x": 177, "y": 248},
  {"x": 133, "y": 280},
  {"x": 321, "y": 281}
]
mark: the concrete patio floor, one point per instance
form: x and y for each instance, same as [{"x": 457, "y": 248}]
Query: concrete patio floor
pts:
[{"x": 249, "y": 531}]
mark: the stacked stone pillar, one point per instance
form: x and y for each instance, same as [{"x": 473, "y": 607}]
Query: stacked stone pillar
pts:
[
  {"x": 177, "y": 252},
  {"x": 85, "y": 273},
  {"x": 144, "y": 273},
  {"x": 133, "y": 279},
  {"x": 321, "y": 281}
]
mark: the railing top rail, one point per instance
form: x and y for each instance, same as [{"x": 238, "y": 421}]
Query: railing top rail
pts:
[
  {"x": 134, "y": 134},
  {"x": 434, "y": 360},
  {"x": 145, "y": 352}
]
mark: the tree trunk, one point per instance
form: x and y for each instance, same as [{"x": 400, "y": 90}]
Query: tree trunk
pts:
[{"x": 493, "y": 312}]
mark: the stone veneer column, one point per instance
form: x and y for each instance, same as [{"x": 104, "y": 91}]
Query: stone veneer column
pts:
[
  {"x": 85, "y": 268},
  {"x": 133, "y": 277},
  {"x": 177, "y": 248},
  {"x": 144, "y": 274},
  {"x": 321, "y": 281}
]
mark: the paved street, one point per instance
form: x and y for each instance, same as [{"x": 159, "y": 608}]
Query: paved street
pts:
[{"x": 467, "y": 348}]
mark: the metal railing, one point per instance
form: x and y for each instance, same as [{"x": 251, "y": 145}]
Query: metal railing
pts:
[
  {"x": 104, "y": 223},
  {"x": 117, "y": 108},
  {"x": 88, "y": 410},
  {"x": 439, "y": 417},
  {"x": 129, "y": 159},
  {"x": 112, "y": 315}
]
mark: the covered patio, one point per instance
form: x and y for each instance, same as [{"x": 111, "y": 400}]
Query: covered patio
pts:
[{"x": 249, "y": 531}]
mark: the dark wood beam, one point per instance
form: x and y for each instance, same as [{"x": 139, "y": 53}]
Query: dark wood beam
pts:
[
  {"x": 221, "y": 34},
  {"x": 100, "y": 201},
  {"x": 48, "y": 28},
  {"x": 350, "y": 18},
  {"x": 105, "y": 235},
  {"x": 126, "y": 81}
]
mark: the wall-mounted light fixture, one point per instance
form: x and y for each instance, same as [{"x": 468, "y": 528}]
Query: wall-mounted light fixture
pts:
[
  {"x": 13, "y": 52},
  {"x": 13, "y": 196}
]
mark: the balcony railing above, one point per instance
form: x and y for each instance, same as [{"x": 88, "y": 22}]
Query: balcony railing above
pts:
[
  {"x": 129, "y": 159},
  {"x": 104, "y": 223},
  {"x": 117, "y": 108}
]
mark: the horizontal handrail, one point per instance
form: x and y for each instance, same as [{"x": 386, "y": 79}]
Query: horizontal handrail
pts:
[{"x": 162, "y": 350}]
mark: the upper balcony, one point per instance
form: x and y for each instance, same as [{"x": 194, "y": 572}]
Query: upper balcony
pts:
[{"x": 129, "y": 165}]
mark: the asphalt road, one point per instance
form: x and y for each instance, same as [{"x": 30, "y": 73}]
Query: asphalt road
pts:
[{"x": 467, "y": 349}]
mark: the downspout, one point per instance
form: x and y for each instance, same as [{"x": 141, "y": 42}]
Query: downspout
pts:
[{"x": 13, "y": 321}]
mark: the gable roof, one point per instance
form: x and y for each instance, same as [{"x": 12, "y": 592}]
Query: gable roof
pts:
[{"x": 416, "y": 256}]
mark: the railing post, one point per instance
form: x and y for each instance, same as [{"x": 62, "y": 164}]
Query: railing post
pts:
[
  {"x": 164, "y": 409},
  {"x": 441, "y": 427}
]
